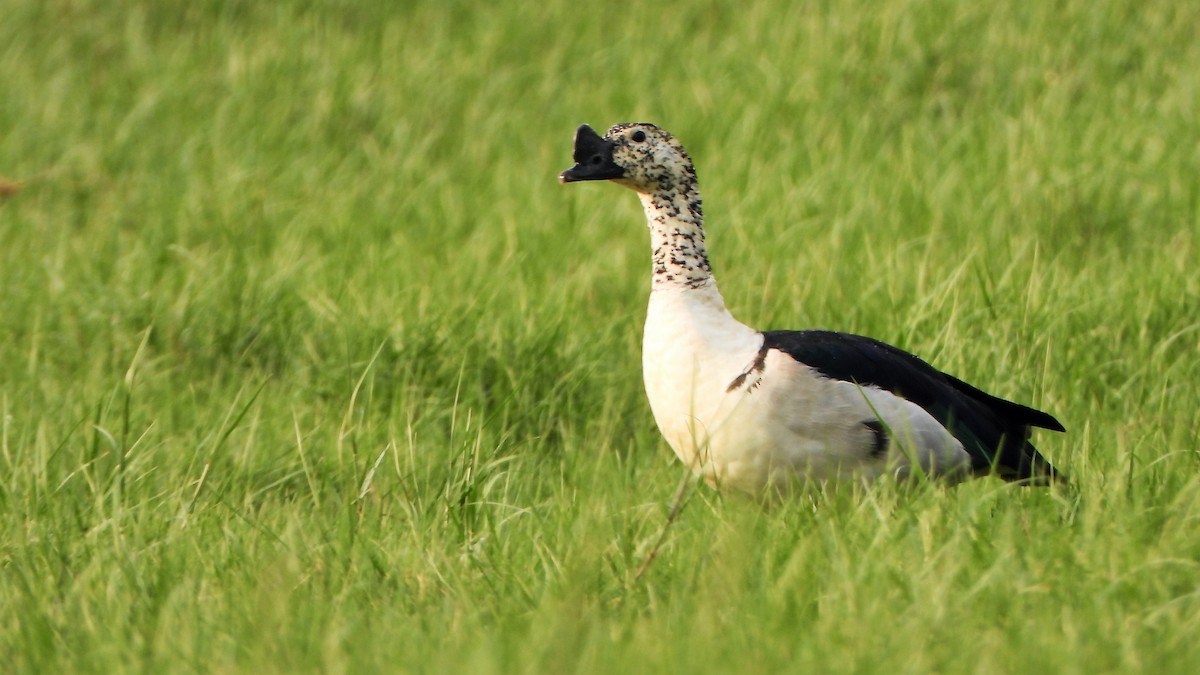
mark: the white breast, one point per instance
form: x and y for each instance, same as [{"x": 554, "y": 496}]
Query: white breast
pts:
[{"x": 692, "y": 350}]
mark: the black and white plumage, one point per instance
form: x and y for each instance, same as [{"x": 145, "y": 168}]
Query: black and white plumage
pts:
[{"x": 760, "y": 411}]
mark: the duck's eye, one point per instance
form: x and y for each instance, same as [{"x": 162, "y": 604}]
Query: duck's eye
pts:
[{"x": 638, "y": 136}]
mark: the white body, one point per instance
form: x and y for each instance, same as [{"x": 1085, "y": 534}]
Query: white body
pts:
[{"x": 783, "y": 423}]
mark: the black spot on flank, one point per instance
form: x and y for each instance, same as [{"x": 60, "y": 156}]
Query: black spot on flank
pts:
[
  {"x": 737, "y": 382},
  {"x": 757, "y": 367},
  {"x": 880, "y": 438}
]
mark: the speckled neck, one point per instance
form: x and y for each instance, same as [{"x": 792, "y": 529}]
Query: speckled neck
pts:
[{"x": 676, "y": 224}]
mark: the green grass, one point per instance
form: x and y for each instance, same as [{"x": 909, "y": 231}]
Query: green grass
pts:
[{"x": 311, "y": 366}]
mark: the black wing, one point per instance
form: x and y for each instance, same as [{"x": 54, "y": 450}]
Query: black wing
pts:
[{"x": 993, "y": 431}]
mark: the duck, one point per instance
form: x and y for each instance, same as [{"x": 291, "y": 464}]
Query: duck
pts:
[{"x": 767, "y": 411}]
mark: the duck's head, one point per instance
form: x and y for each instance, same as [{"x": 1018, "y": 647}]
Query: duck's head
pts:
[{"x": 639, "y": 155}]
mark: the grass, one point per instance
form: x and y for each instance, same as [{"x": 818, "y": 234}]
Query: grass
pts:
[{"x": 310, "y": 366}]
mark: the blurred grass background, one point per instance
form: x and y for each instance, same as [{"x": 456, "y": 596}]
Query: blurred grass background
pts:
[{"x": 310, "y": 364}]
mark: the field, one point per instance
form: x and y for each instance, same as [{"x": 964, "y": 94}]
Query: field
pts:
[{"x": 310, "y": 365}]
